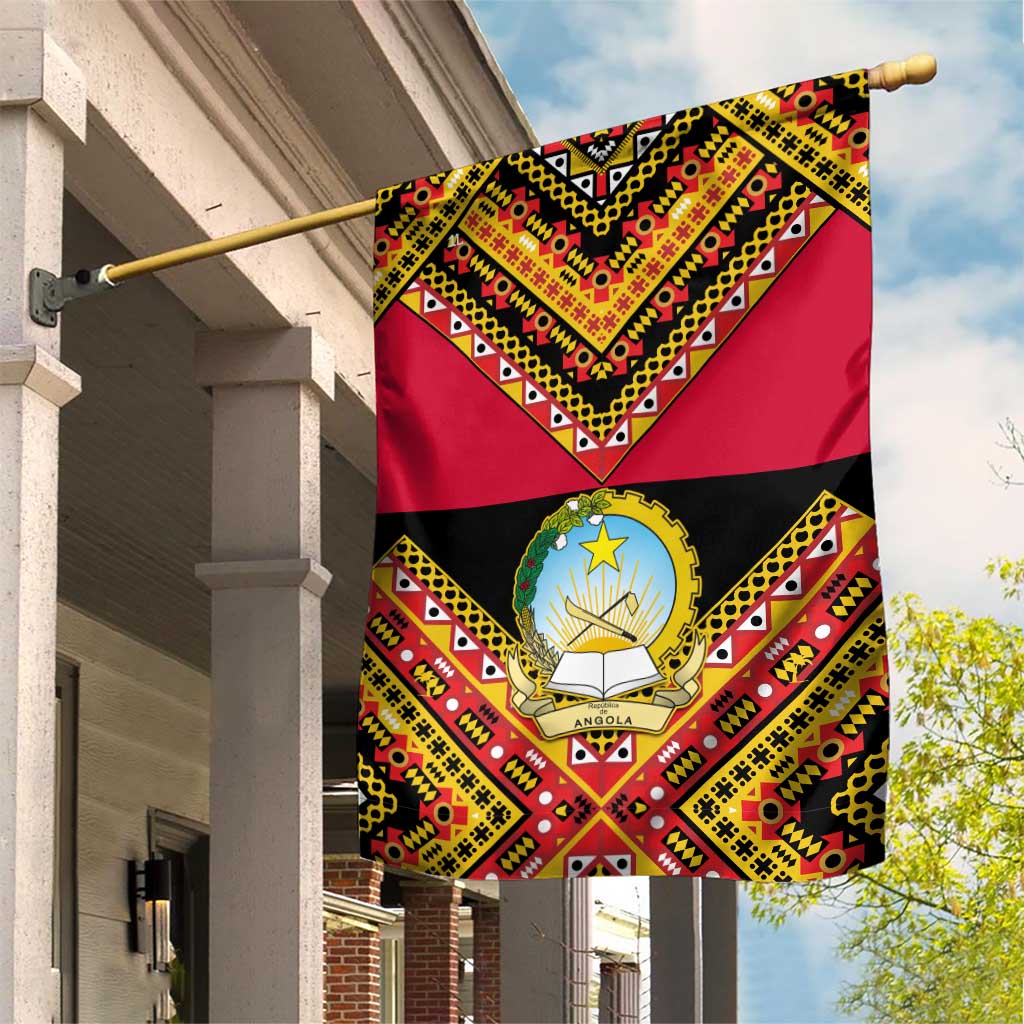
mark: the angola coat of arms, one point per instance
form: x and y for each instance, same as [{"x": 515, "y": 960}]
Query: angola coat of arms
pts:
[
  {"x": 625, "y": 612},
  {"x": 605, "y": 600}
]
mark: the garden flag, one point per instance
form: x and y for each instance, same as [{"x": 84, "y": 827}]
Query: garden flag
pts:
[{"x": 625, "y": 615}]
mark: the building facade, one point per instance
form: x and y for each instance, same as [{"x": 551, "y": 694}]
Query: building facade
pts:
[{"x": 186, "y": 519}]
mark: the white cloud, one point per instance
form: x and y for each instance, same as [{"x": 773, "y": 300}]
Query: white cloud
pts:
[
  {"x": 945, "y": 161},
  {"x": 953, "y": 145},
  {"x": 947, "y": 177},
  {"x": 941, "y": 380}
]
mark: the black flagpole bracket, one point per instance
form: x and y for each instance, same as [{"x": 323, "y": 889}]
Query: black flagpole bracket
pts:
[{"x": 49, "y": 294}]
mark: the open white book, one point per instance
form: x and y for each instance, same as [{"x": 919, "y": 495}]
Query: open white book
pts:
[{"x": 603, "y": 676}]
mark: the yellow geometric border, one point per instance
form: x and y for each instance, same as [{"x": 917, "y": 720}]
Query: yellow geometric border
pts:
[{"x": 602, "y": 423}]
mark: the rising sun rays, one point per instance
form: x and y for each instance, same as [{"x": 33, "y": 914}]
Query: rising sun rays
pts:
[{"x": 599, "y": 591}]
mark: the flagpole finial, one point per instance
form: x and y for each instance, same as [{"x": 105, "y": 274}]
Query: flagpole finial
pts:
[{"x": 894, "y": 74}]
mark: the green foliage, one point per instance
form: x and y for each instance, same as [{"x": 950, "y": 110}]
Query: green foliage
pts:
[
  {"x": 569, "y": 515},
  {"x": 587, "y": 505},
  {"x": 179, "y": 982},
  {"x": 938, "y": 928}
]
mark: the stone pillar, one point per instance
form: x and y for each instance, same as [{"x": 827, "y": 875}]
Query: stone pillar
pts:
[
  {"x": 675, "y": 951},
  {"x": 431, "y": 952},
  {"x": 578, "y": 960},
  {"x": 720, "y": 964},
  {"x": 42, "y": 105},
  {"x": 693, "y": 950},
  {"x": 487, "y": 963},
  {"x": 266, "y": 841},
  {"x": 619, "y": 1001},
  {"x": 352, "y": 956},
  {"x": 545, "y": 936}
]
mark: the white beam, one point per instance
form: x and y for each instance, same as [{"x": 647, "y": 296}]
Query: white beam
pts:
[{"x": 193, "y": 135}]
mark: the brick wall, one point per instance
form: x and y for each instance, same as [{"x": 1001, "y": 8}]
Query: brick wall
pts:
[
  {"x": 431, "y": 952},
  {"x": 487, "y": 963},
  {"x": 352, "y": 955}
]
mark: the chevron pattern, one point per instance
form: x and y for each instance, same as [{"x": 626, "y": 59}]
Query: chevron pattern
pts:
[
  {"x": 618, "y": 308},
  {"x": 803, "y": 842},
  {"x": 591, "y": 282},
  {"x": 684, "y": 849},
  {"x": 518, "y": 852},
  {"x": 852, "y": 596},
  {"x": 801, "y": 780},
  {"x": 518, "y": 772}
]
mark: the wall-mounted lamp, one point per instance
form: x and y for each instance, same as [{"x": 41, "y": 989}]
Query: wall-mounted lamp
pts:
[{"x": 149, "y": 887}]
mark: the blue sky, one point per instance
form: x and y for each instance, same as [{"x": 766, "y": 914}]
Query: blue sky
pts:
[{"x": 947, "y": 177}]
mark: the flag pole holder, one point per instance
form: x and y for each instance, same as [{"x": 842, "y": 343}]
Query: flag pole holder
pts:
[{"x": 49, "y": 294}]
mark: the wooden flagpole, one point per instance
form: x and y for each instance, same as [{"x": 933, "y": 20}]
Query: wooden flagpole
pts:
[
  {"x": 50, "y": 293},
  {"x": 240, "y": 240}
]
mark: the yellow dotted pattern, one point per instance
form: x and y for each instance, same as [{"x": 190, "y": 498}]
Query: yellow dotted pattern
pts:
[
  {"x": 808, "y": 148},
  {"x": 381, "y": 685},
  {"x": 562, "y": 389},
  {"x": 599, "y": 219},
  {"x": 379, "y": 803},
  {"x": 770, "y": 570},
  {"x": 762, "y": 770},
  {"x": 854, "y": 803}
]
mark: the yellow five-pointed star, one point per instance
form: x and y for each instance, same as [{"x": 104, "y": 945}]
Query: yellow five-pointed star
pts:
[{"x": 602, "y": 550}]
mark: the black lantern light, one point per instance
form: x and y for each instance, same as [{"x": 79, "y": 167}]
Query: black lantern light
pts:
[{"x": 150, "y": 892}]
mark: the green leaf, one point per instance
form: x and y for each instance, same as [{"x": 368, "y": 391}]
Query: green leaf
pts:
[
  {"x": 936, "y": 928},
  {"x": 546, "y": 538}
]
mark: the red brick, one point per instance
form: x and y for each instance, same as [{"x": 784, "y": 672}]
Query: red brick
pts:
[
  {"x": 352, "y": 958},
  {"x": 487, "y": 963},
  {"x": 431, "y": 952}
]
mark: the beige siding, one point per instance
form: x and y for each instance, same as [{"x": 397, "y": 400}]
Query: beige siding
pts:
[{"x": 143, "y": 742}]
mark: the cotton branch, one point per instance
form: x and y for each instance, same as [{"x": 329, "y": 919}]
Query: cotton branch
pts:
[{"x": 1013, "y": 441}]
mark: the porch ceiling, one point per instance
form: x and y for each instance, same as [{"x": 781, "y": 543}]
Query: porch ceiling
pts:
[
  {"x": 135, "y": 478},
  {"x": 395, "y": 90}
]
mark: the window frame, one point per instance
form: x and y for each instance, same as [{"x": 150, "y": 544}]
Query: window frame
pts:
[{"x": 64, "y": 943}]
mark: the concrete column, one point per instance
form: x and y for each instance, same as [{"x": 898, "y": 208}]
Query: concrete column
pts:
[
  {"x": 675, "y": 950},
  {"x": 42, "y": 105},
  {"x": 693, "y": 950},
  {"x": 487, "y": 963},
  {"x": 266, "y": 836},
  {"x": 431, "y": 952},
  {"x": 578, "y": 908},
  {"x": 619, "y": 999},
  {"x": 545, "y": 936},
  {"x": 720, "y": 964}
]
